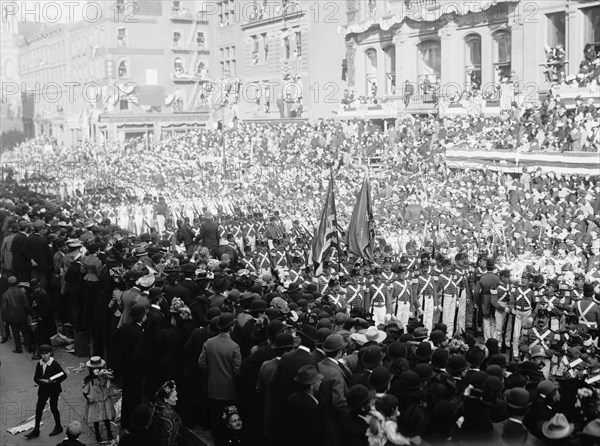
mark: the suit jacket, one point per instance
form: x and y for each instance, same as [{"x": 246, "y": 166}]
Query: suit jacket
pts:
[
  {"x": 131, "y": 349},
  {"x": 222, "y": 358},
  {"x": 332, "y": 395},
  {"x": 37, "y": 248},
  {"x": 51, "y": 389},
  {"x": 301, "y": 406},
  {"x": 6, "y": 256},
  {"x": 129, "y": 298},
  {"x": 318, "y": 355},
  {"x": 353, "y": 430},
  {"x": 155, "y": 323},
  {"x": 283, "y": 384},
  {"x": 510, "y": 432},
  {"x": 19, "y": 260}
]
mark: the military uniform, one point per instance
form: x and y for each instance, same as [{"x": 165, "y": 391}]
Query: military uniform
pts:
[
  {"x": 401, "y": 301},
  {"x": 522, "y": 304},
  {"x": 448, "y": 288},
  {"x": 425, "y": 295}
]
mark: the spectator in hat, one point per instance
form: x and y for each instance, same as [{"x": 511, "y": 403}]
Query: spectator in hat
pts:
[
  {"x": 15, "y": 308},
  {"x": 221, "y": 358},
  {"x": 283, "y": 343},
  {"x": 512, "y": 431},
  {"x": 73, "y": 433},
  {"x": 130, "y": 296},
  {"x": 44, "y": 314},
  {"x": 209, "y": 236},
  {"x": 97, "y": 392},
  {"x": 284, "y": 384},
  {"x": 21, "y": 264},
  {"x": 166, "y": 422},
  {"x": 332, "y": 393},
  {"x": 48, "y": 376},
  {"x": 6, "y": 256},
  {"x": 354, "y": 425},
  {"x": 38, "y": 254},
  {"x": 131, "y": 353},
  {"x": 304, "y": 406},
  {"x": 139, "y": 428}
]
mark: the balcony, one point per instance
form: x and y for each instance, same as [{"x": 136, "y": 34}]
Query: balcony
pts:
[
  {"x": 187, "y": 78},
  {"x": 178, "y": 47}
]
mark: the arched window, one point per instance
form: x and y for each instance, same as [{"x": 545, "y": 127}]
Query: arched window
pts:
[
  {"x": 502, "y": 54},
  {"x": 178, "y": 65},
  {"x": 390, "y": 69},
  {"x": 371, "y": 71},
  {"x": 473, "y": 61},
  {"x": 429, "y": 66},
  {"x": 123, "y": 70}
]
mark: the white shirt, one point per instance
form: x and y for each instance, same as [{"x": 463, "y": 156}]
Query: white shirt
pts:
[{"x": 46, "y": 364}]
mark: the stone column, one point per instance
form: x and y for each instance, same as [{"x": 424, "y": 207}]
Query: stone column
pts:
[
  {"x": 452, "y": 61},
  {"x": 381, "y": 71},
  {"x": 519, "y": 47},
  {"x": 575, "y": 38}
]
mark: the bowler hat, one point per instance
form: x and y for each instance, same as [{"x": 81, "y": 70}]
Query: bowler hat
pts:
[
  {"x": 307, "y": 375},
  {"x": 333, "y": 343},
  {"x": 226, "y": 320},
  {"x": 138, "y": 311},
  {"x": 456, "y": 364},
  {"x": 211, "y": 313},
  {"x": 371, "y": 357},
  {"x": 408, "y": 382},
  {"x": 424, "y": 351},
  {"x": 380, "y": 378},
  {"x": 439, "y": 358},
  {"x": 258, "y": 306},
  {"x": 283, "y": 341},
  {"x": 437, "y": 336},
  {"x": 308, "y": 332},
  {"x": 322, "y": 334},
  {"x": 155, "y": 293},
  {"x": 475, "y": 356},
  {"x": 517, "y": 398},
  {"x": 424, "y": 371}
]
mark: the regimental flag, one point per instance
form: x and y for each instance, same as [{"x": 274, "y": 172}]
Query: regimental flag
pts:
[
  {"x": 326, "y": 235},
  {"x": 361, "y": 232}
]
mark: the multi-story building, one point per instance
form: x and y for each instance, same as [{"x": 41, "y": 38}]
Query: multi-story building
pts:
[
  {"x": 277, "y": 58},
  {"x": 413, "y": 52},
  {"x": 10, "y": 103},
  {"x": 125, "y": 69}
]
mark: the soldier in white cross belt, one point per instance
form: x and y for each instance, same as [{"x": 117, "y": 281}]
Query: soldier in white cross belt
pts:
[
  {"x": 378, "y": 297},
  {"x": 588, "y": 310},
  {"x": 401, "y": 301},
  {"x": 522, "y": 304},
  {"x": 501, "y": 301},
  {"x": 425, "y": 294},
  {"x": 448, "y": 284}
]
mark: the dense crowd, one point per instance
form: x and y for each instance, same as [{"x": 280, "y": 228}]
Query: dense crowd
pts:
[{"x": 476, "y": 320}]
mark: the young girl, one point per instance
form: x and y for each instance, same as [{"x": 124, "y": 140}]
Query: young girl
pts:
[
  {"x": 383, "y": 429},
  {"x": 96, "y": 390}
]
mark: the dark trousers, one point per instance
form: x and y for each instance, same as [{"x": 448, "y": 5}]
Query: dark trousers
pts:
[
  {"x": 217, "y": 425},
  {"x": 132, "y": 396},
  {"x": 17, "y": 329},
  {"x": 41, "y": 404}
]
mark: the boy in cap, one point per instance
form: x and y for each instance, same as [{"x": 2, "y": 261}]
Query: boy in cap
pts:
[
  {"x": 48, "y": 376},
  {"x": 73, "y": 433}
]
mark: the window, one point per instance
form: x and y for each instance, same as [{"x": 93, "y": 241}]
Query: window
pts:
[
  {"x": 227, "y": 62},
  {"x": 265, "y": 45},
  {"x": 122, "y": 37},
  {"x": 176, "y": 39},
  {"x": 556, "y": 29},
  {"x": 473, "y": 61},
  {"x": 178, "y": 65},
  {"x": 123, "y": 70},
  {"x": 371, "y": 71},
  {"x": 372, "y": 8},
  {"x": 390, "y": 69},
  {"x": 176, "y": 5},
  {"x": 255, "y": 45},
  {"x": 502, "y": 55},
  {"x": 429, "y": 66},
  {"x": 592, "y": 24},
  {"x": 298, "y": 51},
  {"x": 200, "y": 40},
  {"x": 286, "y": 44}
]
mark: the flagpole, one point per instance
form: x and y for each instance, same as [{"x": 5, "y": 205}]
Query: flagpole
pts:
[{"x": 339, "y": 256}]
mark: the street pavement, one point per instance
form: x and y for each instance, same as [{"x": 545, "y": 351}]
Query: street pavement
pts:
[{"x": 18, "y": 397}]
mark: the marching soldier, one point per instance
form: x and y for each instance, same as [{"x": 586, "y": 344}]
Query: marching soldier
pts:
[
  {"x": 425, "y": 295},
  {"x": 400, "y": 303},
  {"x": 501, "y": 301},
  {"x": 522, "y": 304},
  {"x": 448, "y": 288},
  {"x": 262, "y": 258},
  {"x": 355, "y": 293},
  {"x": 537, "y": 334},
  {"x": 587, "y": 310},
  {"x": 463, "y": 295},
  {"x": 378, "y": 299}
]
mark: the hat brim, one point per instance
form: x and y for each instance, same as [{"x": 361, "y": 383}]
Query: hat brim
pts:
[
  {"x": 316, "y": 378},
  {"x": 225, "y": 326},
  {"x": 95, "y": 366},
  {"x": 557, "y": 434}
]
